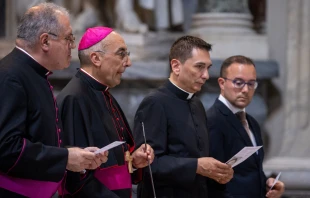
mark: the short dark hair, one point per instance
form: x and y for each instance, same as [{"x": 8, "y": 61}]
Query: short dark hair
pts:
[
  {"x": 234, "y": 59},
  {"x": 182, "y": 48}
]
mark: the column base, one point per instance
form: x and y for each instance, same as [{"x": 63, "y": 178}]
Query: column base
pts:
[{"x": 295, "y": 172}]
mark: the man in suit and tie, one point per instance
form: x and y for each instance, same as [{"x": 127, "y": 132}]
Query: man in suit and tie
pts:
[{"x": 231, "y": 129}]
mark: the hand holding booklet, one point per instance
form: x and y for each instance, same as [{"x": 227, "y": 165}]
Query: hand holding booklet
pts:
[
  {"x": 109, "y": 146},
  {"x": 242, "y": 155},
  {"x": 105, "y": 148}
]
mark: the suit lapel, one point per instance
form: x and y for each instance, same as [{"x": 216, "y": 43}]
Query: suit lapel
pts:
[{"x": 233, "y": 120}]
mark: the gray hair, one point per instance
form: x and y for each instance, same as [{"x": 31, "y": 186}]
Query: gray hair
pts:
[
  {"x": 36, "y": 21},
  {"x": 84, "y": 54}
]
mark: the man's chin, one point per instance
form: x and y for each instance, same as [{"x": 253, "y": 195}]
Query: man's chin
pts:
[
  {"x": 66, "y": 66},
  {"x": 197, "y": 89},
  {"x": 241, "y": 105},
  {"x": 115, "y": 84}
]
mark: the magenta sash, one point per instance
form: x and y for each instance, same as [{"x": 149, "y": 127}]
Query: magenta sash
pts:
[
  {"x": 28, "y": 187},
  {"x": 114, "y": 178}
]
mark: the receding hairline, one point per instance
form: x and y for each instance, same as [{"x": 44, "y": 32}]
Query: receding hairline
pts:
[
  {"x": 236, "y": 64},
  {"x": 42, "y": 6},
  {"x": 111, "y": 36},
  {"x": 236, "y": 59}
]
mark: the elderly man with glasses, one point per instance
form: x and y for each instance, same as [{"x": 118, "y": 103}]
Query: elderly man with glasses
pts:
[
  {"x": 32, "y": 160},
  {"x": 92, "y": 117},
  {"x": 231, "y": 129}
]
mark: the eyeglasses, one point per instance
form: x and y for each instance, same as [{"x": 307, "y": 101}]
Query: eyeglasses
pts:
[
  {"x": 122, "y": 54},
  {"x": 239, "y": 83},
  {"x": 69, "y": 38}
]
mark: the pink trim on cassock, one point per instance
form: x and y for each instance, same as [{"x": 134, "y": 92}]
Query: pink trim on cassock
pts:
[
  {"x": 62, "y": 189},
  {"x": 28, "y": 187},
  {"x": 114, "y": 178},
  {"x": 58, "y": 130},
  {"x": 24, "y": 144}
]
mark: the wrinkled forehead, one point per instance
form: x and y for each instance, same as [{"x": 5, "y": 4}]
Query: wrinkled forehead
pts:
[
  {"x": 64, "y": 22},
  {"x": 115, "y": 41},
  {"x": 243, "y": 71}
]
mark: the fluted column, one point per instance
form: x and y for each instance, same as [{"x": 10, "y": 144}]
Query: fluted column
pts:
[
  {"x": 293, "y": 157},
  {"x": 227, "y": 24}
]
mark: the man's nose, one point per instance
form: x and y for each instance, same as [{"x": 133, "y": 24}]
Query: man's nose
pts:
[
  {"x": 205, "y": 74},
  {"x": 245, "y": 88},
  {"x": 128, "y": 62},
  {"x": 72, "y": 45}
]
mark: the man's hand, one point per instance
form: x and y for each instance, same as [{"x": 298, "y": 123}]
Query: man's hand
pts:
[
  {"x": 141, "y": 156},
  {"x": 79, "y": 159},
  {"x": 277, "y": 189},
  {"x": 99, "y": 159},
  {"x": 214, "y": 169}
]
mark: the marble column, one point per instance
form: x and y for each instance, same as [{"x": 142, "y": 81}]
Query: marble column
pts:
[
  {"x": 227, "y": 24},
  {"x": 2, "y": 19},
  {"x": 236, "y": 6},
  {"x": 10, "y": 18},
  {"x": 293, "y": 128}
]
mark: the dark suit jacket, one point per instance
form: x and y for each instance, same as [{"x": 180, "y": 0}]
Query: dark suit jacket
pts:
[{"x": 228, "y": 137}]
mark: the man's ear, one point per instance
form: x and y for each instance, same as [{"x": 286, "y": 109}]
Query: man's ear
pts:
[
  {"x": 221, "y": 82},
  {"x": 95, "y": 59},
  {"x": 175, "y": 66},
  {"x": 44, "y": 42}
]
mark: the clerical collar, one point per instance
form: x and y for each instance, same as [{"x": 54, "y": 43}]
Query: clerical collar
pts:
[
  {"x": 189, "y": 95},
  {"x": 21, "y": 49},
  {"x": 229, "y": 105},
  {"x": 92, "y": 81},
  {"x": 35, "y": 65},
  {"x": 178, "y": 91}
]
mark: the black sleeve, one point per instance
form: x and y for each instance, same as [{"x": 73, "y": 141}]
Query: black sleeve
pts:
[
  {"x": 217, "y": 151},
  {"x": 77, "y": 132},
  {"x": 216, "y": 136},
  {"x": 19, "y": 157},
  {"x": 166, "y": 168}
]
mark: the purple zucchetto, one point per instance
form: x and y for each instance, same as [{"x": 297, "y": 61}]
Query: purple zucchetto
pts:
[{"x": 92, "y": 36}]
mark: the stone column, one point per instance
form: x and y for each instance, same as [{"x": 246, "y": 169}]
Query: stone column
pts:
[
  {"x": 2, "y": 18},
  {"x": 227, "y": 24},
  {"x": 230, "y": 16},
  {"x": 292, "y": 129},
  {"x": 235, "y": 6},
  {"x": 10, "y": 18}
]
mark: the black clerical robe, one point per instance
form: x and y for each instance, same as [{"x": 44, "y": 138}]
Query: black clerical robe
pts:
[
  {"x": 92, "y": 117},
  {"x": 176, "y": 128},
  {"x": 31, "y": 164}
]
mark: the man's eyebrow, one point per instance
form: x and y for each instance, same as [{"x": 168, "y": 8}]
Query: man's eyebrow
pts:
[
  {"x": 121, "y": 49},
  {"x": 200, "y": 63},
  {"x": 238, "y": 78}
]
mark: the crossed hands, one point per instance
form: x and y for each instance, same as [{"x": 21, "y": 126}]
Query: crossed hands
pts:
[
  {"x": 141, "y": 156},
  {"x": 82, "y": 159},
  {"x": 214, "y": 169}
]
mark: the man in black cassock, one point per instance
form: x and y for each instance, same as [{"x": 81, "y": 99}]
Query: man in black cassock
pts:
[
  {"x": 32, "y": 162},
  {"x": 92, "y": 117},
  {"x": 175, "y": 126}
]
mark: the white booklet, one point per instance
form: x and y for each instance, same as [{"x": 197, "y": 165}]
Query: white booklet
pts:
[
  {"x": 242, "y": 155},
  {"x": 109, "y": 146}
]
